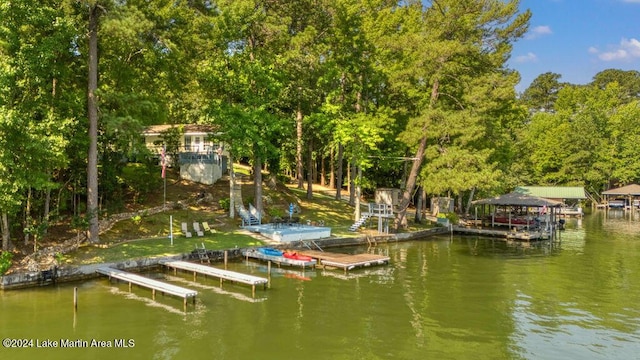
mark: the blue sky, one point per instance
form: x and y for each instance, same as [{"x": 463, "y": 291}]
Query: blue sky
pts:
[{"x": 577, "y": 39}]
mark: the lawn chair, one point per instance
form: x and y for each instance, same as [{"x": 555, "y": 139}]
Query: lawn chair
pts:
[
  {"x": 185, "y": 231},
  {"x": 206, "y": 228},
  {"x": 196, "y": 228}
]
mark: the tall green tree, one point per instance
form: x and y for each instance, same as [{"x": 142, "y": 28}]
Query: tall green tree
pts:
[
  {"x": 453, "y": 48},
  {"x": 542, "y": 94}
]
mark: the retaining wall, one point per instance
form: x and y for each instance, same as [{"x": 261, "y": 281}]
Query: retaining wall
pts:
[{"x": 84, "y": 272}]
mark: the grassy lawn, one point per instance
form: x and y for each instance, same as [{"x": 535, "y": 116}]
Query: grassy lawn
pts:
[
  {"x": 162, "y": 246},
  {"x": 148, "y": 235}
]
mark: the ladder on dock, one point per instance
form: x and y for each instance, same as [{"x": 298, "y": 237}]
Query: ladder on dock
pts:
[
  {"x": 218, "y": 273},
  {"x": 154, "y": 285}
]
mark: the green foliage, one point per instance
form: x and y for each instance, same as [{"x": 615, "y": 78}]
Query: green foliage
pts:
[
  {"x": 225, "y": 203},
  {"x": 5, "y": 261}
]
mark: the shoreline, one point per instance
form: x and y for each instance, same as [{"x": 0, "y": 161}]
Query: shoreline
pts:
[{"x": 30, "y": 279}]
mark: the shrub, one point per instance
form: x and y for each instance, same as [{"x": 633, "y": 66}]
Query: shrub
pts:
[
  {"x": 225, "y": 203},
  {"x": 5, "y": 261}
]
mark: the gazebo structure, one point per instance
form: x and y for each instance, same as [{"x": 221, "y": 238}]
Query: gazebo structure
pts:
[
  {"x": 625, "y": 197},
  {"x": 521, "y": 212}
]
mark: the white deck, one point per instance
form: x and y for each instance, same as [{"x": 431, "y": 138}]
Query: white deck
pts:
[
  {"x": 289, "y": 233},
  {"x": 147, "y": 282},
  {"x": 214, "y": 272}
]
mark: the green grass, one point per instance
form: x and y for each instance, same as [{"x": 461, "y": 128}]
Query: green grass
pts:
[
  {"x": 148, "y": 235},
  {"x": 135, "y": 249}
]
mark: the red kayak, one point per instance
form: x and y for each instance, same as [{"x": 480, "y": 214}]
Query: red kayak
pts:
[{"x": 295, "y": 256}]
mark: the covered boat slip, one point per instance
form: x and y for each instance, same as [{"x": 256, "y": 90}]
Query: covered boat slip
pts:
[
  {"x": 218, "y": 273},
  {"x": 516, "y": 213},
  {"x": 154, "y": 285}
]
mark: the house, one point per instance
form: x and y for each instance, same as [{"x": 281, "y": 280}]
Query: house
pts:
[{"x": 201, "y": 158}]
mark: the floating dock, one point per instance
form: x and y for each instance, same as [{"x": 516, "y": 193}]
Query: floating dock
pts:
[
  {"x": 218, "y": 273},
  {"x": 154, "y": 285},
  {"x": 278, "y": 259},
  {"x": 346, "y": 261},
  {"x": 521, "y": 234}
]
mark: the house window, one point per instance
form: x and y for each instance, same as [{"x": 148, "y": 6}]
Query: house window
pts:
[
  {"x": 196, "y": 144},
  {"x": 187, "y": 143}
]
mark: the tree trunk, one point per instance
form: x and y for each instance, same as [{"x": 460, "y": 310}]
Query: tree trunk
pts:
[
  {"x": 257, "y": 180},
  {"x": 418, "y": 216},
  {"x": 401, "y": 218},
  {"x": 310, "y": 172},
  {"x": 473, "y": 191},
  {"x": 339, "y": 172},
  {"x": 6, "y": 235},
  {"x": 323, "y": 172},
  {"x": 357, "y": 192},
  {"x": 232, "y": 186},
  {"x": 27, "y": 217},
  {"x": 352, "y": 181},
  {"x": 92, "y": 110},
  {"x": 332, "y": 169},
  {"x": 299, "y": 164}
]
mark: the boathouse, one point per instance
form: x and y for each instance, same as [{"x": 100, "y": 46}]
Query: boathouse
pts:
[
  {"x": 623, "y": 197},
  {"x": 569, "y": 196},
  {"x": 519, "y": 216}
]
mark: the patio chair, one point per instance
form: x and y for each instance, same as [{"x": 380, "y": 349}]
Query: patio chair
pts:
[
  {"x": 207, "y": 228},
  {"x": 196, "y": 228},
  {"x": 185, "y": 231}
]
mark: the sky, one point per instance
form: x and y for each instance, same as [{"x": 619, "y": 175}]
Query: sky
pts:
[{"x": 577, "y": 39}]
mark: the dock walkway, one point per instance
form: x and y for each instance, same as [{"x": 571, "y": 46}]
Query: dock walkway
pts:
[
  {"x": 218, "y": 273},
  {"x": 154, "y": 285},
  {"x": 278, "y": 259},
  {"x": 346, "y": 261}
]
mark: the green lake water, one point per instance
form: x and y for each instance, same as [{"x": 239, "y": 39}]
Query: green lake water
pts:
[{"x": 440, "y": 298}]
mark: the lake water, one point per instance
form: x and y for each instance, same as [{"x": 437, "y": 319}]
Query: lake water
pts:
[{"x": 440, "y": 298}]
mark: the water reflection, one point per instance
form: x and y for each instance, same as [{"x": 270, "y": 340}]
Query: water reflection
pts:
[{"x": 501, "y": 248}]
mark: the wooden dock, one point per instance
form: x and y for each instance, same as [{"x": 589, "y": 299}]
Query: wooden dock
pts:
[
  {"x": 154, "y": 285},
  {"x": 521, "y": 234},
  {"x": 280, "y": 260},
  {"x": 218, "y": 273},
  {"x": 346, "y": 261}
]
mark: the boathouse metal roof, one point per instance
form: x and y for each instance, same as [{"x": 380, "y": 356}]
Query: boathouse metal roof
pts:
[
  {"x": 518, "y": 199},
  {"x": 553, "y": 192},
  {"x": 633, "y": 189}
]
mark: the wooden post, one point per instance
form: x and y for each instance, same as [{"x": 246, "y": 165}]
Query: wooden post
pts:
[
  {"x": 253, "y": 290},
  {"x": 269, "y": 273},
  {"x": 75, "y": 299},
  {"x": 153, "y": 294},
  {"x": 129, "y": 286},
  {"x": 195, "y": 275},
  {"x": 226, "y": 253}
]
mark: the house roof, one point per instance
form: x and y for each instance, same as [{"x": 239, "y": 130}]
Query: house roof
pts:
[
  {"x": 632, "y": 189},
  {"x": 189, "y": 129},
  {"x": 518, "y": 199},
  {"x": 553, "y": 192}
]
